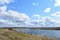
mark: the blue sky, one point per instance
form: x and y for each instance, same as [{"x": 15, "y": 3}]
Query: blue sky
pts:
[
  {"x": 27, "y": 6},
  {"x": 30, "y": 13}
]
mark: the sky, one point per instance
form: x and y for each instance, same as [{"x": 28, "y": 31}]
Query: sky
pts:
[{"x": 29, "y": 13}]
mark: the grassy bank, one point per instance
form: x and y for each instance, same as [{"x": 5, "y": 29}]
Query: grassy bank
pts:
[{"x": 6, "y": 34}]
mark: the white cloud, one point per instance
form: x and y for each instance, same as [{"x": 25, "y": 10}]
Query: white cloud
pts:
[
  {"x": 49, "y": 22},
  {"x": 1, "y": 20},
  {"x": 49, "y": 18},
  {"x": 19, "y": 16},
  {"x": 10, "y": 18},
  {"x": 44, "y": 21},
  {"x": 35, "y": 4},
  {"x": 47, "y": 10},
  {"x": 3, "y": 8},
  {"x": 6, "y": 1},
  {"x": 57, "y": 3},
  {"x": 5, "y": 23},
  {"x": 56, "y": 14},
  {"x": 36, "y": 15},
  {"x": 13, "y": 16}
]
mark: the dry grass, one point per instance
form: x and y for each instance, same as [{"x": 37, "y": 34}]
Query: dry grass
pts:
[{"x": 6, "y": 34}]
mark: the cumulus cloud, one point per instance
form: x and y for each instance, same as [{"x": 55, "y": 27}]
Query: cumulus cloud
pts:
[
  {"x": 5, "y": 23},
  {"x": 56, "y": 14},
  {"x": 6, "y": 1},
  {"x": 36, "y": 15},
  {"x": 44, "y": 21},
  {"x": 14, "y": 19},
  {"x": 13, "y": 16},
  {"x": 10, "y": 18},
  {"x": 47, "y": 10},
  {"x": 3, "y": 8},
  {"x": 50, "y": 22},
  {"x": 19, "y": 16},
  {"x": 57, "y": 3}
]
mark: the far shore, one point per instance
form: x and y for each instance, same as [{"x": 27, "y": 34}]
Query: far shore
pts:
[{"x": 36, "y": 28}]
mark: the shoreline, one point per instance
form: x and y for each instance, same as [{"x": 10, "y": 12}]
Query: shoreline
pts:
[{"x": 14, "y": 35}]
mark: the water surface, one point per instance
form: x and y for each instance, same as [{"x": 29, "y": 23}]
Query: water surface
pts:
[{"x": 49, "y": 33}]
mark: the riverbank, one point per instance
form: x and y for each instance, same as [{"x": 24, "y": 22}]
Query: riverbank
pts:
[{"x": 6, "y": 34}]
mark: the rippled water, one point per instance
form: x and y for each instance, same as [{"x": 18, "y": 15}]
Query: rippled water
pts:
[{"x": 49, "y": 33}]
